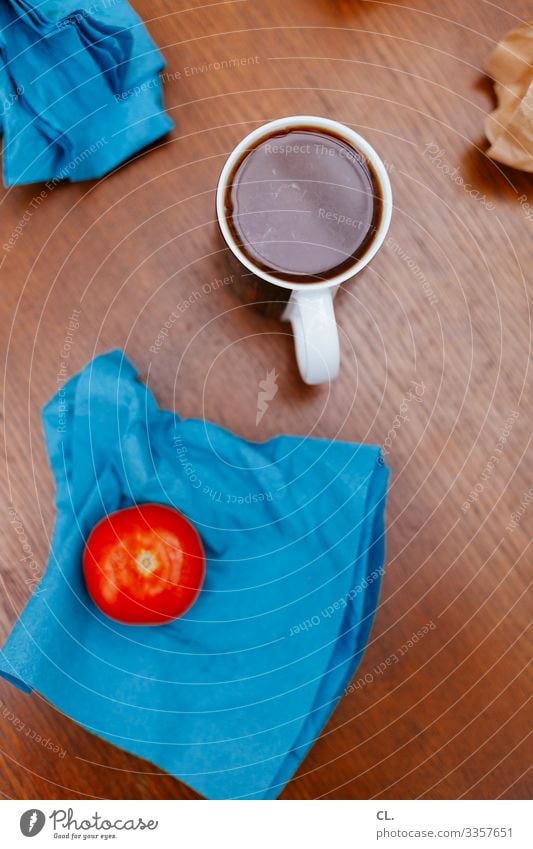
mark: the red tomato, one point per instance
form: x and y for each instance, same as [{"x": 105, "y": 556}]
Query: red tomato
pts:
[{"x": 144, "y": 565}]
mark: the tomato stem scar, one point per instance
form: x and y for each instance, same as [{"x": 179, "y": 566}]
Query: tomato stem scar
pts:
[{"x": 146, "y": 562}]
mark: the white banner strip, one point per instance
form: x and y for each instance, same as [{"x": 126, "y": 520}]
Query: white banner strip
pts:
[{"x": 262, "y": 825}]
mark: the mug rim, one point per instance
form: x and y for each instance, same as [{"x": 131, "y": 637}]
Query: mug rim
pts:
[{"x": 315, "y": 122}]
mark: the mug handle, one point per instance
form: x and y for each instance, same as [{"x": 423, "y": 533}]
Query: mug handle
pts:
[{"x": 316, "y": 336}]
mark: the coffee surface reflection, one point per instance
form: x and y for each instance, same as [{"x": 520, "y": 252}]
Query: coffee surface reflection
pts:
[{"x": 303, "y": 205}]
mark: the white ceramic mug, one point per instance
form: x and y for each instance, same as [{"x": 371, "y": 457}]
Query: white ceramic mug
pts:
[{"x": 309, "y": 307}]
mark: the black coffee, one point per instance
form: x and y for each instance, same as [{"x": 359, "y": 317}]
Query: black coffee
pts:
[{"x": 303, "y": 205}]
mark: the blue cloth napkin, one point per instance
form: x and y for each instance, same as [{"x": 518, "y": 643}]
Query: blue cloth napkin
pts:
[
  {"x": 79, "y": 88},
  {"x": 230, "y": 697}
]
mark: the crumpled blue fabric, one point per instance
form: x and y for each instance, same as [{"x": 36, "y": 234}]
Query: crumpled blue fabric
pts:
[
  {"x": 230, "y": 697},
  {"x": 79, "y": 88}
]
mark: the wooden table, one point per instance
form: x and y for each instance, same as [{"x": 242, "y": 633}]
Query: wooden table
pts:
[{"x": 445, "y": 304}]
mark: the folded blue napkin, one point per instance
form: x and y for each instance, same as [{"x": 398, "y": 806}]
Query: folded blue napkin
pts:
[
  {"x": 230, "y": 697},
  {"x": 79, "y": 88}
]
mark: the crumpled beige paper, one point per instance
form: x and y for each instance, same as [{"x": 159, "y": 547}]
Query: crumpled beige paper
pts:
[{"x": 509, "y": 128}]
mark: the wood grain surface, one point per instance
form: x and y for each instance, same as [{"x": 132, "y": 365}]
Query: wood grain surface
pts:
[{"x": 446, "y": 303}]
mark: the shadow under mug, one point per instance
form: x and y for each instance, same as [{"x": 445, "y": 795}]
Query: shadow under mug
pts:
[{"x": 308, "y": 306}]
